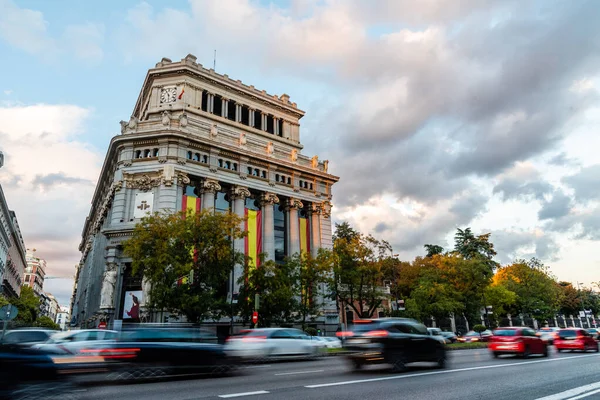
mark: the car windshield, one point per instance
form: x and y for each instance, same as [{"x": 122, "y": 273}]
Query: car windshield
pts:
[
  {"x": 505, "y": 332},
  {"x": 567, "y": 333},
  {"x": 472, "y": 333},
  {"x": 366, "y": 327}
]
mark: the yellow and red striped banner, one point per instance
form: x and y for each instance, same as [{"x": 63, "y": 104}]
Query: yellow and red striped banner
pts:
[
  {"x": 253, "y": 241},
  {"x": 190, "y": 203},
  {"x": 304, "y": 236}
]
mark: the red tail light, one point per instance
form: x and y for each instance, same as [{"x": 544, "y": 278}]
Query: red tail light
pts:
[
  {"x": 112, "y": 354},
  {"x": 344, "y": 334},
  {"x": 377, "y": 333}
]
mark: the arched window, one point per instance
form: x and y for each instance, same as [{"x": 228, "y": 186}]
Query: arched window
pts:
[
  {"x": 138, "y": 154},
  {"x": 196, "y": 156},
  {"x": 300, "y": 182},
  {"x": 235, "y": 166},
  {"x": 147, "y": 153},
  {"x": 311, "y": 186},
  {"x": 155, "y": 153},
  {"x": 256, "y": 172},
  {"x": 205, "y": 159},
  {"x": 220, "y": 163},
  {"x": 189, "y": 155},
  {"x": 276, "y": 177},
  {"x": 249, "y": 170},
  {"x": 289, "y": 182},
  {"x": 228, "y": 164},
  {"x": 264, "y": 174}
]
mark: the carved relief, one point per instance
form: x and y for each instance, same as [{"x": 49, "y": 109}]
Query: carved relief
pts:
[
  {"x": 133, "y": 121},
  {"x": 123, "y": 126},
  {"x": 243, "y": 140},
  {"x": 270, "y": 148},
  {"x": 214, "y": 131},
  {"x": 326, "y": 208},
  {"x": 294, "y": 155},
  {"x": 269, "y": 199},
  {"x": 211, "y": 185},
  {"x": 316, "y": 208},
  {"x": 182, "y": 178},
  {"x": 295, "y": 204},
  {"x": 241, "y": 192},
  {"x": 144, "y": 182},
  {"x": 325, "y": 166}
]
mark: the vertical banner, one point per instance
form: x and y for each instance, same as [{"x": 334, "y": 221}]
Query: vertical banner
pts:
[
  {"x": 253, "y": 241},
  {"x": 190, "y": 203},
  {"x": 304, "y": 235}
]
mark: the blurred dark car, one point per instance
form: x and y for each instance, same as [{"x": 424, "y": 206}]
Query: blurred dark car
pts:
[
  {"x": 575, "y": 339},
  {"x": 520, "y": 341},
  {"x": 473, "y": 336},
  {"x": 395, "y": 341},
  {"x": 157, "y": 353},
  {"x": 450, "y": 336},
  {"x": 26, "y": 337}
]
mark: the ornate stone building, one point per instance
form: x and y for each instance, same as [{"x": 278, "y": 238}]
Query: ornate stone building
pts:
[{"x": 198, "y": 139}]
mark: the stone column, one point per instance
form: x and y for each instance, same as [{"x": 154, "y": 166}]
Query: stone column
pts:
[
  {"x": 315, "y": 229},
  {"x": 238, "y": 113},
  {"x": 238, "y": 195},
  {"x": 251, "y": 117},
  {"x": 119, "y": 200},
  {"x": 268, "y": 200},
  {"x": 264, "y": 121},
  {"x": 276, "y": 126},
  {"x": 211, "y": 102},
  {"x": 209, "y": 188},
  {"x": 293, "y": 236},
  {"x": 224, "y": 107}
]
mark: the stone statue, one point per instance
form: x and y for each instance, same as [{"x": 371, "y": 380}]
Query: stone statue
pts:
[
  {"x": 166, "y": 118},
  {"x": 294, "y": 155},
  {"x": 213, "y": 131},
  {"x": 325, "y": 166},
  {"x": 183, "y": 120},
  {"x": 242, "y": 139},
  {"x": 146, "y": 287},
  {"x": 315, "y": 162},
  {"x": 123, "y": 126},
  {"x": 270, "y": 148},
  {"x": 132, "y": 122},
  {"x": 109, "y": 282}
]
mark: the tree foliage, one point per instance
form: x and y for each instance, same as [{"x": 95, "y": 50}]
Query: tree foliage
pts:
[
  {"x": 28, "y": 304},
  {"x": 167, "y": 246},
  {"x": 46, "y": 322}
]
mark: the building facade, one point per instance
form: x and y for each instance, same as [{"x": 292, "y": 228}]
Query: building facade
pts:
[
  {"x": 63, "y": 317},
  {"x": 49, "y": 306},
  {"x": 200, "y": 140},
  {"x": 35, "y": 273},
  {"x": 12, "y": 249}
]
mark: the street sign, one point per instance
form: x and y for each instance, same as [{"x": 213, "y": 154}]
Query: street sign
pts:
[
  {"x": 255, "y": 317},
  {"x": 102, "y": 325},
  {"x": 582, "y": 314},
  {"x": 8, "y": 312},
  {"x": 256, "y": 301}
]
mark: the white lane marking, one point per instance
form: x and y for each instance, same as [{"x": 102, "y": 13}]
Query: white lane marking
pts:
[
  {"x": 257, "y": 366},
  {"x": 450, "y": 371},
  {"x": 572, "y": 392},
  {"x": 585, "y": 395},
  {"x": 228, "y": 396},
  {"x": 300, "y": 372}
]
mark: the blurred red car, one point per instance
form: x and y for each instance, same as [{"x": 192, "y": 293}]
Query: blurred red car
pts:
[
  {"x": 575, "y": 339},
  {"x": 521, "y": 341}
]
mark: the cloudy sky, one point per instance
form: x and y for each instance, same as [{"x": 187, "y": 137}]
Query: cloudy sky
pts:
[{"x": 435, "y": 114}]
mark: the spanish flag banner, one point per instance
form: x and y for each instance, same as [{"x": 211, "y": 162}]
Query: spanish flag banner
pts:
[
  {"x": 190, "y": 203},
  {"x": 304, "y": 236},
  {"x": 253, "y": 241}
]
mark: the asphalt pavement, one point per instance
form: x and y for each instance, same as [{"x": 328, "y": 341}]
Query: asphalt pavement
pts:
[{"x": 470, "y": 374}]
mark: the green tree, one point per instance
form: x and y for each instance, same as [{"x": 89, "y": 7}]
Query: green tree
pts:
[
  {"x": 46, "y": 322},
  {"x": 436, "y": 296},
  {"x": 500, "y": 298},
  {"x": 167, "y": 246},
  {"x": 3, "y": 300},
  {"x": 358, "y": 275},
  {"x": 569, "y": 299},
  {"x": 479, "y": 329},
  {"x": 311, "y": 272},
  {"x": 433, "y": 250},
  {"x": 276, "y": 284},
  {"x": 470, "y": 246},
  {"x": 28, "y": 304}
]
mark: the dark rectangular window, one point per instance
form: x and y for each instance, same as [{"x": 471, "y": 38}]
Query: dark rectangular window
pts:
[
  {"x": 270, "y": 124},
  {"x": 204, "y": 100},
  {"x": 218, "y": 105},
  {"x": 245, "y": 119},
  {"x": 257, "y": 120},
  {"x": 231, "y": 106},
  {"x": 280, "y": 234},
  {"x": 280, "y": 123}
]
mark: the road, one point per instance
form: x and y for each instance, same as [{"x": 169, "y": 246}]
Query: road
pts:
[{"x": 471, "y": 374}]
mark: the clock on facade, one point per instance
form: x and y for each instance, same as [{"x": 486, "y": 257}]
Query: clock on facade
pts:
[{"x": 168, "y": 95}]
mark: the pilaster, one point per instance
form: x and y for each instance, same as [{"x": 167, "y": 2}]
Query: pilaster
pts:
[{"x": 268, "y": 200}]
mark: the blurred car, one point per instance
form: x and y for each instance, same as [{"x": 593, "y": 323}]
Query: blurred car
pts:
[
  {"x": 521, "y": 341},
  {"x": 473, "y": 336},
  {"x": 27, "y": 337},
  {"x": 270, "y": 343},
  {"x": 437, "y": 333},
  {"x": 450, "y": 336},
  {"x": 157, "y": 353},
  {"x": 548, "y": 334},
  {"x": 575, "y": 339},
  {"x": 329, "y": 342},
  {"x": 595, "y": 333},
  {"x": 395, "y": 341},
  {"x": 72, "y": 342}
]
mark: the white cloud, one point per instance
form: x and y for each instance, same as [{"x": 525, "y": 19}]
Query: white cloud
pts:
[
  {"x": 86, "y": 40},
  {"x": 8, "y": 92},
  {"x": 48, "y": 179}
]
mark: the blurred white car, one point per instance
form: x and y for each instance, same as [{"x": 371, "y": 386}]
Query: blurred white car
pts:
[
  {"x": 330, "y": 342},
  {"x": 273, "y": 343},
  {"x": 72, "y": 342},
  {"x": 436, "y": 333}
]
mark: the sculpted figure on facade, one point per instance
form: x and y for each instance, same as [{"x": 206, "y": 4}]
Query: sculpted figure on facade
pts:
[
  {"x": 243, "y": 139},
  {"x": 123, "y": 126},
  {"x": 294, "y": 155},
  {"x": 109, "y": 281},
  {"x": 132, "y": 123},
  {"x": 270, "y": 148},
  {"x": 214, "y": 131},
  {"x": 315, "y": 162},
  {"x": 166, "y": 118},
  {"x": 183, "y": 120},
  {"x": 326, "y": 209},
  {"x": 325, "y": 166}
]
